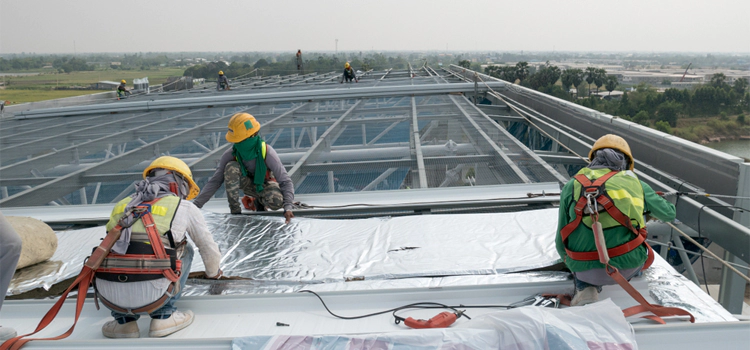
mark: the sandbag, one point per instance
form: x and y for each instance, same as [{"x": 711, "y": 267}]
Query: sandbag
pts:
[{"x": 39, "y": 240}]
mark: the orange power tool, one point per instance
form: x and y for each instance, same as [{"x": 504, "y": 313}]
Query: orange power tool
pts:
[{"x": 441, "y": 320}]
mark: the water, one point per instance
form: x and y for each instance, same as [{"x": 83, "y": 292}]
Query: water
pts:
[{"x": 739, "y": 148}]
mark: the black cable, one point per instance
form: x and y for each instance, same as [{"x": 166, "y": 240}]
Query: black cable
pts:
[
  {"x": 703, "y": 262},
  {"x": 420, "y": 305}
]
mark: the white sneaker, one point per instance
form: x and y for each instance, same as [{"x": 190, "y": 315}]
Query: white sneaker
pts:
[
  {"x": 112, "y": 329},
  {"x": 7, "y": 333},
  {"x": 586, "y": 296},
  {"x": 178, "y": 321}
]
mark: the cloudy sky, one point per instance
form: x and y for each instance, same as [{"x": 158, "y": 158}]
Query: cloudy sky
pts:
[{"x": 56, "y": 26}]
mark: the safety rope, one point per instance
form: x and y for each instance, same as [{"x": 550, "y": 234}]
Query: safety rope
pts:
[
  {"x": 670, "y": 246},
  {"x": 691, "y": 240}
]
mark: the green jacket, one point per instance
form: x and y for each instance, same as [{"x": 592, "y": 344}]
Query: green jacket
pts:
[{"x": 582, "y": 238}]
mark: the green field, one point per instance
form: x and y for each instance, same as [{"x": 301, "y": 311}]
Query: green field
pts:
[{"x": 41, "y": 87}]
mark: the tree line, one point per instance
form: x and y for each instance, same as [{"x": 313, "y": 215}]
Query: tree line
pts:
[{"x": 645, "y": 105}]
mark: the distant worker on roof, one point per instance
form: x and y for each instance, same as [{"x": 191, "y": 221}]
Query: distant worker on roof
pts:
[
  {"x": 619, "y": 200},
  {"x": 223, "y": 82},
  {"x": 299, "y": 60},
  {"x": 130, "y": 290},
  {"x": 349, "y": 74},
  {"x": 122, "y": 90},
  {"x": 254, "y": 167}
]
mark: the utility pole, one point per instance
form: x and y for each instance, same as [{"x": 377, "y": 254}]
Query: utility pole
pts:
[
  {"x": 74, "y": 47},
  {"x": 337, "y": 46}
]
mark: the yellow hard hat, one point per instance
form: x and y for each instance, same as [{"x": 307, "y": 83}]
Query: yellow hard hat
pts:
[
  {"x": 123, "y": 81},
  {"x": 175, "y": 164},
  {"x": 241, "y": 126},
  {"x": 614, "y": 142},
  {"x": 221, "y": 72},
  {"x": 346, "y": 65}
]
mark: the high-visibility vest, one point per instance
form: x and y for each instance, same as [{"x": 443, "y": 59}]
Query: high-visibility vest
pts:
[{"x": 619, "y": 198}]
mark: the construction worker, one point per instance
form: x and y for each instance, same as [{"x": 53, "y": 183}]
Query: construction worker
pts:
[
  {"x": 348, "y": 74},
  {"x": 122, "y": 90},
  {"x": 612, "y": 164},
  {"x": 254, "y": 167},
  {"x": 223, "y": 82},
  {"x": 169, "y": 182},
  {"x": 299, "y": 60},
  {"x": 10, "y": 252}
]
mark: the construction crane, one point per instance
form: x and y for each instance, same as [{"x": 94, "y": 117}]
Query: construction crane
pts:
[{"x": 686, "y": 69}]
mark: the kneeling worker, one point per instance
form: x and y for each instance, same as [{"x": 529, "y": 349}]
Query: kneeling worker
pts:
[
  {"x": 610, "y": 173},
  {"x": 254, "y": 167},
  {"x": 166, "y": 185},
  {"x": 122, "y": 90},
  {"x": 223, "y": 82}
]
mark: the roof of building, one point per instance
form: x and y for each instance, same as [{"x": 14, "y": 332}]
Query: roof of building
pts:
[{"x": 398, "y": 143}]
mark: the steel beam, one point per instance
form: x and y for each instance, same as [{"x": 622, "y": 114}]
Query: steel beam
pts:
[
  {"x": 71, "y": 153},
  {"x": 268, "y": 127},
  {"x": 312, "y": 153},
  {"x": 254, "y": 98},
  {"x": 417, "y": 146},
  {"x": 63, "y": 185},
  {"x": 491, "y": 145}
]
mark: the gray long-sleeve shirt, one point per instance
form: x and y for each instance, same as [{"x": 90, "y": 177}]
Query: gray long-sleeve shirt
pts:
[
  {"x": 272, "y": 162},
  {"x": 222, "y": 79},
  {"x": 349, "y": 73}
]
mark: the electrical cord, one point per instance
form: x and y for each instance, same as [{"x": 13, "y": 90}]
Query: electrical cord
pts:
[{"x": 419, "y": 305}]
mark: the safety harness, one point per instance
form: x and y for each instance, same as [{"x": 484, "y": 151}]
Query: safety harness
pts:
[
  {"x": 593, "y": 197},
  {"x": 104, "y": 264}
]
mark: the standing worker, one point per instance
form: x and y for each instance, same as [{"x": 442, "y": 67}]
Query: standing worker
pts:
[
  {"x": 167, "y": 184},
  {"x": 10, "y": 252},
  {"x": 299, "y": 61},
  {"x": 349, "y": 74},
  {"x": 223, "y": 83},
  {"x": 254, "y": 167},
  {"x": 610, "y": 174},
  {"x": 122, "y": 90}
]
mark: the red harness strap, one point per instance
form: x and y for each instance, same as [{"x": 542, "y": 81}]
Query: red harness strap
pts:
[
  {"x": 82, "y": 283},
  {"x": 645, "y": 306},
  {"x": 609, "y": 206},
  {"x": 596, "y": 188},
  {"x": 84, "y": 279}
]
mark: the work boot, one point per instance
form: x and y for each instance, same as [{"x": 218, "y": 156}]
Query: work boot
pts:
[
  {"x": 114, "y": 330},
  {"x": 176, "y": 322},
  {"x": 586, "y": 296},
  {"x": 7, "y": 333}
]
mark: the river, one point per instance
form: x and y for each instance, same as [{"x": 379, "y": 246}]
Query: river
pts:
[{"x": 739, "y": 148}]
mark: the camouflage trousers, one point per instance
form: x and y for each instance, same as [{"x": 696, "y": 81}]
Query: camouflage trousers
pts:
[{"x": 271, "y": 196}]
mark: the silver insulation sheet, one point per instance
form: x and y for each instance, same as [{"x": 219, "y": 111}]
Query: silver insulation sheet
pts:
[
  {"x": 320, "y": 251},
  {"x": 379, "y": 253}
]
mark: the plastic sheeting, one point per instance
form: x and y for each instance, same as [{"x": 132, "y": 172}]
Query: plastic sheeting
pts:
[{"x": 595, "y": 326}]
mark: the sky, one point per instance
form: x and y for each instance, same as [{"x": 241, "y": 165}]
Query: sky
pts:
[{"x": 79, "y": 26}]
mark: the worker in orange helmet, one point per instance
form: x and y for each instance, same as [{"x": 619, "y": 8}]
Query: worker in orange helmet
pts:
[{"x": 252, "y": 166}]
